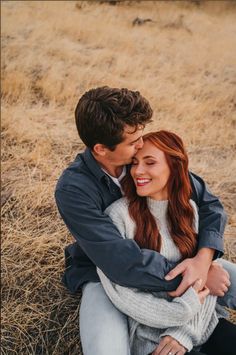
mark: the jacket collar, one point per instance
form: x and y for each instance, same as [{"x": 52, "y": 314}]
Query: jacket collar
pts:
[
  {"x": 92, "y": 164},
  {"x": 96, "y": 169}
]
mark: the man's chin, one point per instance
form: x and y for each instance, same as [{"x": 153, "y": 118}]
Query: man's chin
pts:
[{"x": 127, "y": 161}]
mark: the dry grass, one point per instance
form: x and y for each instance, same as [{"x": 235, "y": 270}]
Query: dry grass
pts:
[{"x": 183, "y": 61}]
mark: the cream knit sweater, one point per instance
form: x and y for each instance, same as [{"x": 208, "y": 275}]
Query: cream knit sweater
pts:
[{"x": 154, "y": 315}]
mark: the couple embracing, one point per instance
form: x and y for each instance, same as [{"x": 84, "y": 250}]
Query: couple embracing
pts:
[{"x": 149, "y": 237}]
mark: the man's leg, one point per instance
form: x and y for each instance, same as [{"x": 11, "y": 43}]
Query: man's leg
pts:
[
  {"x": 229, "y": 299},
  {"x": 103, "y": 328}
]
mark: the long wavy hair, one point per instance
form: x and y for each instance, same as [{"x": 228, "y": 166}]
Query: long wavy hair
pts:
[{"x": 180, "y": 212}]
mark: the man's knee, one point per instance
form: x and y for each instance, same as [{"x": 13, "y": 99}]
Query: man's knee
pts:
[{"x": 101, "y": 344}]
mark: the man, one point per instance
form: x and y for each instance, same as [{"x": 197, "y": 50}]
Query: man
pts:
[{"x": 110, "y": 122}]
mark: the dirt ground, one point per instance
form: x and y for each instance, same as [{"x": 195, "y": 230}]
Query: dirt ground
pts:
[{"x": 179, "y": 55}]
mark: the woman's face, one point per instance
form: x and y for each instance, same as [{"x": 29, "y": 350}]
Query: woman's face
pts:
[{"x": 150, "y": 172}]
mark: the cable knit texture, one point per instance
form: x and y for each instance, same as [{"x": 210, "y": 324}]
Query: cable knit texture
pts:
[{"x": 154, "y": 315}]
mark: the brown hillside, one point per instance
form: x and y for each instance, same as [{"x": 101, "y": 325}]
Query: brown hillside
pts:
[{"x": 182, "y": 59}]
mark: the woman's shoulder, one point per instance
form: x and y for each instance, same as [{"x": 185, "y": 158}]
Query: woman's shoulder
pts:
[
  {"x": 118, "y": 211},
  {"x": 196, "y": 217},
  {"x": 194, "y": 205},
  {"x": 119, "y": 205}
]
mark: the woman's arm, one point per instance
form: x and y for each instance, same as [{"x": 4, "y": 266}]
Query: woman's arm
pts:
[
  {"x": 198, "y": 329},
  {"x": 150, "y": 310}
]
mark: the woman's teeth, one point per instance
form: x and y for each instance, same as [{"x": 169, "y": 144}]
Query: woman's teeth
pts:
[{"x": 142, "y": 181}]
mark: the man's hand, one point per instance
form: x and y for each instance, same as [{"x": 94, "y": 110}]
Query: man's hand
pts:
[
  {"x": 217, "y": 280},
  {"x": 169, "y": 345},
  {"x": 191, "y": 270}
]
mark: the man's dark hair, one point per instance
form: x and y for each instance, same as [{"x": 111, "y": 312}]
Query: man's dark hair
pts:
[{"x": 102, "y": 113}]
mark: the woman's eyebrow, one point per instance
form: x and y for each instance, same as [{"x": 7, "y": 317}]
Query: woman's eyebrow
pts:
[
  {"x": 149, "y": 156},
  {"x": 146, "y": 157}
]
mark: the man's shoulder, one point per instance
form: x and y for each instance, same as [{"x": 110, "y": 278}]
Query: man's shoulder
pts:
[{"x": 78, "y": 175}]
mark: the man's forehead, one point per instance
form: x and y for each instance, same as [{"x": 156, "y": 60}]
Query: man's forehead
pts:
[
  {"x": 132, "y": 136},
  {"x": 133, "y": 129}
]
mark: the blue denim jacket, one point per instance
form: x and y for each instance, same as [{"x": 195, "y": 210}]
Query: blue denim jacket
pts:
[{"x": 82, "y": 194}]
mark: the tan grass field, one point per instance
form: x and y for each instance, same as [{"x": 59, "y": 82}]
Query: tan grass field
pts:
[{"x": 183, "y": 61}]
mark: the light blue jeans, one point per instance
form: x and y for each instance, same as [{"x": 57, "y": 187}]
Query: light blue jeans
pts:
[{"x": 104, "y": 329}]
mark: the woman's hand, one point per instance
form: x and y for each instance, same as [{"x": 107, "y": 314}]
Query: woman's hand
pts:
[
  {"x": 201, "y": 292},
  {"x": 169, "y": 346}
]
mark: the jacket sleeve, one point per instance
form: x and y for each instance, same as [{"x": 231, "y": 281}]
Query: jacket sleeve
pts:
[
  {"x": 149, "y": 309},
  {"x": 120, "y": 259},
  {"x": 212, "y": 217}
]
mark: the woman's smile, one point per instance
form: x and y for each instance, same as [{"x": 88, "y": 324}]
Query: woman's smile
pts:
[{"x": 142, "y": 181}]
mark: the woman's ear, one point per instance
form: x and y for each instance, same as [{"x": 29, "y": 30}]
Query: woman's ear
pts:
[{"x": 100, "y": 149}]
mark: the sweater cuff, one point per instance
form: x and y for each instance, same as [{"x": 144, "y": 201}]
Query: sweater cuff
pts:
[
  {"x": 191, "y": 299},
  {"x": 179, "y": 334}
]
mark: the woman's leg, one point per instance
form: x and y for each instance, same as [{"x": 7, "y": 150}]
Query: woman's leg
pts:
[
  {"x": 103, "y": 328},
  {"x": 229, "y": 299},
  {"x": 223, "y": 339}
]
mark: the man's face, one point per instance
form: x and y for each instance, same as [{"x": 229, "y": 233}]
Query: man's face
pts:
[{"x": 125, "y": 150}]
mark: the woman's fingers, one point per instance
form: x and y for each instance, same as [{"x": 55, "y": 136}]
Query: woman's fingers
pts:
[
  {"x": 197, "y": 285},
  {"x": 169, "y": 345},
  {"x": 202, "y": 292}
]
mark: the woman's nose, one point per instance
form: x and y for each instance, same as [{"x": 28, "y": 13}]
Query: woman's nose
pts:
[{"x": 138, "y": 169}]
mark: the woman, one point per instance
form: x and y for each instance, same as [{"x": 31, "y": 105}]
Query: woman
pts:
[{"x": 158, "y": 213}]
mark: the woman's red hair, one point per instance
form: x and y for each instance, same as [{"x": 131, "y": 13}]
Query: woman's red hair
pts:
[{"x": 180, "y": 211}]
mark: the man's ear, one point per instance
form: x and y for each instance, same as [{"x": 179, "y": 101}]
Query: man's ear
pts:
[{"x": 100, "y": 149}]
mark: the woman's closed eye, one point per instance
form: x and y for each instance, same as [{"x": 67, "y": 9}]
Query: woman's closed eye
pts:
[{"x": 150, "y": 162}]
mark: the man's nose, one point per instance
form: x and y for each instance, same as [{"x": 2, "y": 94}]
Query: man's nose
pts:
[{"x": 139, "y": 143}]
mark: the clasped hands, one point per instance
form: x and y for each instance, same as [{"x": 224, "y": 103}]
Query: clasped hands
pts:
[{"x": 211, "y": 274}]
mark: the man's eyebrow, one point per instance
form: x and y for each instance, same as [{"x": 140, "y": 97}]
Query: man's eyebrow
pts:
[{"x": 135, "y": 140}]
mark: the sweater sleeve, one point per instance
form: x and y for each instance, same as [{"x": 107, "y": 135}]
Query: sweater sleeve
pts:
[
  {"x": 150, "y": 310},
  {"x": 197, "y": 331}
]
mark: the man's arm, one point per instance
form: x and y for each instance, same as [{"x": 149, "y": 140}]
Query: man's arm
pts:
[
  {"x": 101, "y": 241},
  {"x": 120, "y": 259},
  {"x": 212, "y": 217},
  {"x": 212, "y": 220}
]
